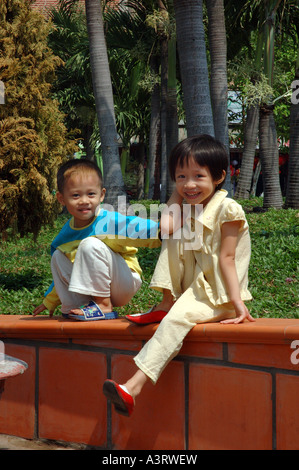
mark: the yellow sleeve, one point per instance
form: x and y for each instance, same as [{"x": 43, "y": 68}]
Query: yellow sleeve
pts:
[{"x": 51, "y": 301}]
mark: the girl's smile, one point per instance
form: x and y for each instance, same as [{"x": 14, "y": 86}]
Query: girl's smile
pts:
[{"x": 194, "y": 182}]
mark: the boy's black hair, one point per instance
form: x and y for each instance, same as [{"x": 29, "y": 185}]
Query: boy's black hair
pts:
[
  {"x": 205, "y": 150},
  {"x": 76, "y": 164}
]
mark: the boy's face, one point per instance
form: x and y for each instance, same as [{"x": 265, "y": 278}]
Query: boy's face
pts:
[
  {"x": 195, "y": 183},
  {"x": 81, "y": 195}
]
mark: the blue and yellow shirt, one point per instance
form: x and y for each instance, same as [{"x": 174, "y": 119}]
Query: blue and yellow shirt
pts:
[{"x": 123, "y": 234}]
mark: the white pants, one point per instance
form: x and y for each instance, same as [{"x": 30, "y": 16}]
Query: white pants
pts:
[{"x": 96, "y": 272}]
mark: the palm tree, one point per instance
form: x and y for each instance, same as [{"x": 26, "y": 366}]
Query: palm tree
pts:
[
  {"x": 267, "y": 128},
  {"x": 193, "y": 65},
  {"x": 73, "y": 86},
  {"x": 266, "y": 11},
  {"x": 244, "y": 187},
  {"x": 137, "y": 43},
  {"x": 218, "y": 80},
  {"x": 104, "y": 101},
  {"x": 292, "y": 196}
]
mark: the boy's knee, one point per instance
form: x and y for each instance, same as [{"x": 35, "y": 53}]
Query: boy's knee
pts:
[
  {"x": 93, "y": 247},
  {"x": 91, "y": 243},
  {"x": 57, "y": 257}
]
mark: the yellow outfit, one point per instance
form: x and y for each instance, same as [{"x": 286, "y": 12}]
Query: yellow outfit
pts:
[{"x": 194, "y": 278}]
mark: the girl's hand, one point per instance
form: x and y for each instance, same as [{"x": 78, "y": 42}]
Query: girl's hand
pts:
[{"x": 242, "y": 313}]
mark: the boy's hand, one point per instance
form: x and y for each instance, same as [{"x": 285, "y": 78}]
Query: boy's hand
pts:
[
  {"x": 40, "y": 309},
  {"x": 242, "y": 314}
]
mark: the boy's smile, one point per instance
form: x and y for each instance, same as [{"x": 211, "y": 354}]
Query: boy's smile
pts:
[
  {"x": 195, "y": 183},
  {"x": 81, "y": 195}
]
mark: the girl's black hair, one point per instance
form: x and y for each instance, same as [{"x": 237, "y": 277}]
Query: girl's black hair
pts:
[{"x": 205, "y": 150}]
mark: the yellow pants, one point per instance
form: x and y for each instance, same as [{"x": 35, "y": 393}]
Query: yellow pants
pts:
[{"x": 178, "y": 272}]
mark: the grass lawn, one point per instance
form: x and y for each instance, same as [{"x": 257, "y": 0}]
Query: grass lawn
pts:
[{"x": 25, "y": 272}]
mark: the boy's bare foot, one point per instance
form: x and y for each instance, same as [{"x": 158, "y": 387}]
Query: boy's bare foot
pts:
[{"x": 104, "y": 303}]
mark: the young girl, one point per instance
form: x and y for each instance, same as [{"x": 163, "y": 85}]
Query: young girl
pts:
[{"x": 203, "y": 281}]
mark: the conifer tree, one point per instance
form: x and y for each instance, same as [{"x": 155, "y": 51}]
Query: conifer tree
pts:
[{"x": 33, "y": 138}]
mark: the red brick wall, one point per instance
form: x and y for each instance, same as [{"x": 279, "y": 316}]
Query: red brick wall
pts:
[
  {"x": 232, "y": 387},
  {"x": 45, "y": 5}
]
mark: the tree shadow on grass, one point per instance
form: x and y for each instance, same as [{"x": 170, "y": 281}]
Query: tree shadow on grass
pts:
[{"x": 18, "y": 281}]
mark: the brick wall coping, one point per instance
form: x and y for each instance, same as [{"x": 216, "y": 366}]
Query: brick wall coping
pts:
[{"x": 263, "y": 330}]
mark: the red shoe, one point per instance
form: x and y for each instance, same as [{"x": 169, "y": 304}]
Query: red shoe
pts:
[
  {"x": 147, "y": 317},
  {"x": 123, "y": 401}
]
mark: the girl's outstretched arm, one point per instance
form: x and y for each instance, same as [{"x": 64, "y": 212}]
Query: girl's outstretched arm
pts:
[{"x": 229, "y": 236}]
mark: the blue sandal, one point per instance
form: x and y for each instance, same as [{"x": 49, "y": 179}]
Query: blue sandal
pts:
[{"x": 90, "y": 312}]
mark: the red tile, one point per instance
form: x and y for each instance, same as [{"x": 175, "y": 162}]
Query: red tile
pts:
[
  {"x": 71, "y": 405},
  {"x": 287, "y": 412},
  {"x": 268, "y": 355},
  {"x": 229, "y": 408},
  {"x": 158, "y": 419},
  {"x": 17, "y": 403},
  {"x": 201, "y": 349},
  {"x": 111, "y": 344}
]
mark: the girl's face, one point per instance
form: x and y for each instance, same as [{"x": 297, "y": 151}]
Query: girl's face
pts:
[
  {"x": 195, "y": 183},
  {"x": 81, "y": 195}
]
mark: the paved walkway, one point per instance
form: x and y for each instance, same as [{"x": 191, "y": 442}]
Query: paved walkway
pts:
[{"x": 18, "y": 443}]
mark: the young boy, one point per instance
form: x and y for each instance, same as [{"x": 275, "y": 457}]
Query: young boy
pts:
[{"x": 94, "y": 261}]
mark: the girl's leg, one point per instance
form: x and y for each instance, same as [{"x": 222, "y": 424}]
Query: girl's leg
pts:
[
  {"x": 174, "y": 272},
  {"x": 136, "y": 383},
  {"x": 190, "y": 309},
  {"x": 166, "y": 343},
  {"x": 167, "y": 301}
]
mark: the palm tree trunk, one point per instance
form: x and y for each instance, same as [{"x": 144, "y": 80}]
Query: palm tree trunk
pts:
[
  {"x": 172, "y": 130},
  {"x": 251, "y": 131},
  {"x": 268, "y": 137},
  {"x": 104, "y": 101},
  {"x": 218, "y": 80},
  {"x": 250, "y": 140},
  {"x": 154, "y": 136},
  {"x": 292, "y": 196},
  {"x": 269, "y": 158},
  {"x": 164, "y": 79},
  {"x": 193, "y": 65}
]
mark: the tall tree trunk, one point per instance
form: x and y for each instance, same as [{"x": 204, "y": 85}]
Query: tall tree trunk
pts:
[
  {"x": 268, "y": 138},
  {"x": 250, "y": 141},
  {"x": 218, "y": 80},
  {"x": 269, "y": 158},
  {"x": 292, "y": 196},
  {"x": 140, "y": 170},
  {"x": 193, "y": 66},
  {"x": 251, "y": 131},
  {"x": 172, "y": 129},
  {"x": 164, "y": 79},
  {"x": 104, "y": 101},
  {"x": 154, "y": 137}
]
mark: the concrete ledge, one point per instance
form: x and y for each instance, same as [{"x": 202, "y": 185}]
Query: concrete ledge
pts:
[
  {"x": 231, "y": 387},
  {"x": 269, "y": 330}
]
